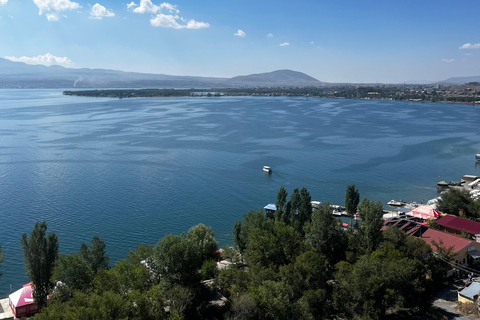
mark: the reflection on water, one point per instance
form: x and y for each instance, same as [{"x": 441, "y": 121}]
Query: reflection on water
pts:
[{"x": 132, "y": 170}]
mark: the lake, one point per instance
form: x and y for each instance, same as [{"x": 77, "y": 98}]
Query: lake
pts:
[{"x": 133, "y": 170}]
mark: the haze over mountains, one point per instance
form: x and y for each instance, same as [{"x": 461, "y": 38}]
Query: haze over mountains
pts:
[{"x": 22, "y": 75}]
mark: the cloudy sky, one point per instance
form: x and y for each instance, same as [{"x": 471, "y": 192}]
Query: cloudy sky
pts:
[{"x": 333, "y": 41}]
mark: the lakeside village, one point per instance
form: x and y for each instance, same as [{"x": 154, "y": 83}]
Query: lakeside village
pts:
[
  {"x": 294, "y": 260},
  {"x": 468, "y": 93}
]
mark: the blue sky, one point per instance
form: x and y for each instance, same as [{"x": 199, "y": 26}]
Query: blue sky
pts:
[{"x": 333, "y": 41}]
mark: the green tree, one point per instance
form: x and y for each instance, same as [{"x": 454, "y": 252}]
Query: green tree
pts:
[
  {"x": 95, "y": 255},
  {"x": 454, "y": 201},
  {"x": 308, "y": 272},
  {"x": 325, "y": 236},
  {"x": 312, "y": 305},
  {"x": 371, "y": 214},
  {"x": 73, "y": 271},
  {"x": 180, "y": 299},
  {"x": 124, "y": 277},
  {"x": 243, "y": 308},
  {"x": 204, "y": 239},
  {"x": 178, "y": 260},
  {"x": 209, "y": 269},
  {"x": 251, "y": 220},
  {"x": 40, "y": 251},
  {"x": 295, "y": 201},
  {"x": 280, "y": 204},
  {"x": 273, "y": 300},
  {"x": 379, "y": 281},
  {"x": 238, "y": 238},
  {"x": 352, "y": 197},
  {"x": 304, "y": 210}
]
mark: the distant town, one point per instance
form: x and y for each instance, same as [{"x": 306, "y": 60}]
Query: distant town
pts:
[{"x": 466, "y": 93}]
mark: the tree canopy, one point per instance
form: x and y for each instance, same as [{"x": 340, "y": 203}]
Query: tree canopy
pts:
[
  {"x": 322, "y": 271},
  {"x": 40, "y": 251}
]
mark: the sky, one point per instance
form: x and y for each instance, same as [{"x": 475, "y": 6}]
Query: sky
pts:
[{"x": 389, "y": 41}]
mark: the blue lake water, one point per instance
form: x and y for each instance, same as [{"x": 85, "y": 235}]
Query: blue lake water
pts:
[{"x": 132, "y": 170}]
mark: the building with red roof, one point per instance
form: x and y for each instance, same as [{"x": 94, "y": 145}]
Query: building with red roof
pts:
[
  {"x": 463, "y": 248},
  {"x": 456, "y": 225},
  {"x": 466, "y": 251}
]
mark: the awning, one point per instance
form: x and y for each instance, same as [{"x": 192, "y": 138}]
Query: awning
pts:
[
  {"x": 424, "y": 212},
  {"x": 270, "y": 206}
]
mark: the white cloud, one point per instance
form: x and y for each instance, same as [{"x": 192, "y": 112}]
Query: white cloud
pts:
[
  {"x": 240, "y": 33},
  {"x": 46, "y": 59},
  {"x": 146, "y": 6},
  {"x": 470, "y": 46},
  {"x": 284, "y": 44},
  {"x": 3, "y": 2},
  {"x": 311, "y": 42},
  {"x": 52, "y": 8},
  {"x": 164, "y": 17},
  {"x": 171, "y": 21},
  {"x": 165, "y": 21},
  {"x": 448, "y": 60},
  {"x": 192, "y": 24},
  {"x": 98, "y": 12},
  {"x": 270, "y": 35},
  {"x": 468, "y": 54}
]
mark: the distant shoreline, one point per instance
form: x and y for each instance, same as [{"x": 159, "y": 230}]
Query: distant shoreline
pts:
[{"x": 392, "y": 94}]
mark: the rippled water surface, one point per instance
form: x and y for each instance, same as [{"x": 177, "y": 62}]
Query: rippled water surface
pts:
[{"x": 133, "y": 170}]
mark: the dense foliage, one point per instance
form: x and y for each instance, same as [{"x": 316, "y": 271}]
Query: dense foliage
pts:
[
  {"x": 325, "y": 270},
  {"x": 459, "y": 203},
  {"x": 295, "y": 264}
]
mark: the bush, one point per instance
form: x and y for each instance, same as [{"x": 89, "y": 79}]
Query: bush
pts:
[{"x": 209, "y": 269}]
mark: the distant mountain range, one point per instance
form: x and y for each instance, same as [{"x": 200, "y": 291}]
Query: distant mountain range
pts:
[
  {"x": 461, "y": 80},
  {"x": 22, "y": 75}
]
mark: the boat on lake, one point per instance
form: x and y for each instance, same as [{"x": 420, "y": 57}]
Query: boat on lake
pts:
[
  {"x": 267, "y": 169},
  {"x": 395, "y": 203},
  {"x": 477, "y": 157}
]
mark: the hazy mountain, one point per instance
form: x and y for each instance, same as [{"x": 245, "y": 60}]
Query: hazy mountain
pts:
[
  {"x": 276, "y": 78},
  {"x": 461, "y": 80},
  {"x": 21, "y": 75}
]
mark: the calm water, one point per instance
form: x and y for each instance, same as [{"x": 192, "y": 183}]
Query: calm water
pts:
[{"x": 133, "y": 170}]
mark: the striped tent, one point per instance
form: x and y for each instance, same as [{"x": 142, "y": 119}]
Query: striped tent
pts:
[
  {"x": 424, "y": 212},
  {"x": 21, "y": 302}
]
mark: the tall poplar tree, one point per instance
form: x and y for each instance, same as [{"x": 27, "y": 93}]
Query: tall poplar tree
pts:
[
  {"x": 371, "y": 214},
  {"x": 352, "y": 198},
  {"x": 281, "y": 203},
  {"x": 96, "y": 255},
  {"x": 39, "y": 254}
]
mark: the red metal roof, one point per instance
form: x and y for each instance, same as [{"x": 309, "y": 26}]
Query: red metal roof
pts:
[
  {"x": 459, "y": 224},
  {"x": 449, "y": 240}
]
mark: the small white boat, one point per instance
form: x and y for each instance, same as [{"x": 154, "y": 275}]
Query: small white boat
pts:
[
  {"x": 477, "y": 156},
  {"x": 395, "y": 203},
  {"x": 267, "y": 169}
]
